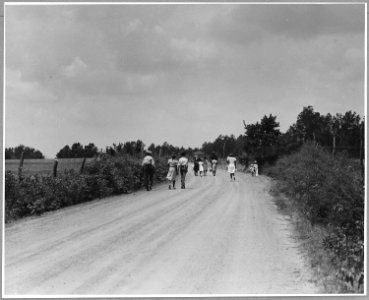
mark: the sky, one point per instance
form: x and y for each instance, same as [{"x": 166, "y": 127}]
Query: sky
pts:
[{"x": 182, "y": 73}]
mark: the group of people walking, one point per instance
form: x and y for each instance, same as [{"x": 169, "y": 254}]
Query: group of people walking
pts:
[
  {"x": 175, "y": 167},
  {"x": 180, "y": 166},
  {"x": 202, "y": 166}
]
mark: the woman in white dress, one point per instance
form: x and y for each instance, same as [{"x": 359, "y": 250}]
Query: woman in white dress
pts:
[
  {"x": 231, "y": 161},
  {"x": 201, "y": 167},
  {"x": 172, "y": 172}
]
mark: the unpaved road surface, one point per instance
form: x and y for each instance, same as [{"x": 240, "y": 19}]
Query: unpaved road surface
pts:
[{"x": 214, "y": 237}]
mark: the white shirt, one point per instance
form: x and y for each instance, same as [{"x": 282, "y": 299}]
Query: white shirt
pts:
[
  {"x": 183, "y": 161},
  {"x": 231, "y": 160},
  {"x": 148, "y": 160}
]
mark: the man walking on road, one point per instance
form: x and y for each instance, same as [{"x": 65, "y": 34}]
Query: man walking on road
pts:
[
  {"x": 182, "y": 168},
  {"x": 148, "y": 166}
]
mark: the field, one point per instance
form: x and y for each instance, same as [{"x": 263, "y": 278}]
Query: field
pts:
[{"x": 44, "y": 166}]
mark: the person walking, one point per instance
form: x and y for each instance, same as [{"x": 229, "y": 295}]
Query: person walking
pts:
[
  {"x": 183, "y": 168},
  {"x": 214, "y": 163},
  {"x": 206, "y": 165},
  {"x": 201, "y": 167},
  {"x": 256, "y": 168},
  {"x": 148, "y": 165},
  {"x": 196, "y": 165},
  {"x": 172, "y": 172},
  {"x": 231, "y": 161}
]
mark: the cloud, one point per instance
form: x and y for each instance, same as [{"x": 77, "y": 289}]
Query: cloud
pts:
[
  {"x": 118, "y": 72},
  {"x": 197, "y": 51},
  {"x": 26, "y": 92},
  {"x": 132, "y": 26},
  {"x": 250, "y": 23},
  {"x": 75, "y": 68}
]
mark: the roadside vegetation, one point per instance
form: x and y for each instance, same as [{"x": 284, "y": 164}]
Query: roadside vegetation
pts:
[
  {"x": 325, "y": 198},
  {"x": 106, "y": 176}
]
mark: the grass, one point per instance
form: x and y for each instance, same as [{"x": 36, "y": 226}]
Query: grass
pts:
[{"x": 44, "y": 166}]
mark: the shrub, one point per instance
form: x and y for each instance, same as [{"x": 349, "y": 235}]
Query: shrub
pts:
[
  {"x": 33, "y": 195},
  {"x": 328, "y": 192}
]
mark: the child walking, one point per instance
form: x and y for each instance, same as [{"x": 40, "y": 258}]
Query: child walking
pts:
[
  {"x": 256, "y": 168},
  {"x": 201, "y": 167},
  {"x": 214, "y": 163},
  {"x": 231, "y": 161}
]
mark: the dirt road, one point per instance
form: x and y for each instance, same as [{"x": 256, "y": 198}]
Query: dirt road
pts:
[{"x": 215, "y": 237}]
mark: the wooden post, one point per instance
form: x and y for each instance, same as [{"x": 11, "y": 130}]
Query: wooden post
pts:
[
  {"x": 20, "y": 168},
  {"x": 361, "y": 149},
  {"x": 55, "y": 168},
  {"x": 83, "y": 165}
]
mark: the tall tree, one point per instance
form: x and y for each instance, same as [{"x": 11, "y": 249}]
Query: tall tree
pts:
[
  {"x": 309, "y": 124},
  {"x": 262, "y": 139}
]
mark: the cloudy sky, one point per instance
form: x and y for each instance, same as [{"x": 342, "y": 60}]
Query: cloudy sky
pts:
[{"x": 177, "y": 73}]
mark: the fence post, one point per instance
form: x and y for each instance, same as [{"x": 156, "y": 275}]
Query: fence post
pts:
[
  {"x": 55, "y": 168},
  {"x": 83, "y": 165},
  {"x": 20, "y": 168},
  {"x": 361, "y": 149}
]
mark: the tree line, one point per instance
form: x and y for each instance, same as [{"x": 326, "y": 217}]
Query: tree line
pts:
[
  {"x": 136, "y": 148},
  {"x": 262, "y": 140},
  {"x": 78, "y": 151},
  {"x": 28, "y": 152}
]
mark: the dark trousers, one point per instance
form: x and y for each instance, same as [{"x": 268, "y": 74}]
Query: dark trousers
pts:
[
  {"x": 148, "y": 171},
  {"x": 183, "y": 177}
]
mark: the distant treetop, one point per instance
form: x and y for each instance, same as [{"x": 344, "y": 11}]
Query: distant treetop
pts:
[{"x": 16, "y": 153}]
